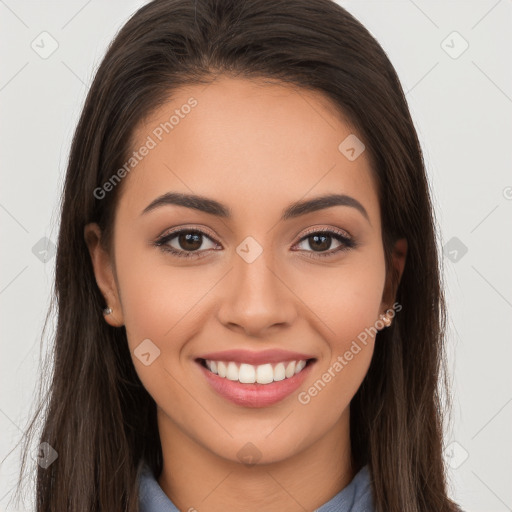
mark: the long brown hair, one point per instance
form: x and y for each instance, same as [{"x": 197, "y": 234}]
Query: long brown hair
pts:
[{"x": 97, "y": 414}]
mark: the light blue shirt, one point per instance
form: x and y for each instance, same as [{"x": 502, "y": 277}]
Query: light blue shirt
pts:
[{"x": 355, "y": 497}]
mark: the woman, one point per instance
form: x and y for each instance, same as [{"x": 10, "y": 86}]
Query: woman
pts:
[{"x": 250, "y": 309}]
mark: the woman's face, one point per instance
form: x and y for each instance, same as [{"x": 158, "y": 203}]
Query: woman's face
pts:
[{"x": 261, "y": 276}]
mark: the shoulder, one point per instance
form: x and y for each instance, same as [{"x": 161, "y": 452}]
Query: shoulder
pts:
[
  {"x": 151, "y": 496},
  {"x": 357, "y": 496}
]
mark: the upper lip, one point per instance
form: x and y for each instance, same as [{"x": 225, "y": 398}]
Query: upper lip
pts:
[{"x": 256, "y": 358}]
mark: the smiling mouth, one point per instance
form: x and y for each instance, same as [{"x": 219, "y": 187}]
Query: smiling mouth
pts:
[{"x": 256, "y": 374}]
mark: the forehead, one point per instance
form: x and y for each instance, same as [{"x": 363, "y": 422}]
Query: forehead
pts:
[{"x": 247, "y": 143}]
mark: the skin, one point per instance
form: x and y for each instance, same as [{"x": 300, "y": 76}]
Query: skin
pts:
[{"x": 256, "y": 148}]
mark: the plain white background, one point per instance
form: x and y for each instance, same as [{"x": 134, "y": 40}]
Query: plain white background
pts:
[{"x": 453, "y": 58}]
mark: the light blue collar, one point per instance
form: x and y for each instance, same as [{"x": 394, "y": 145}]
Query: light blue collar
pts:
[{"x": 355, "y": 497}]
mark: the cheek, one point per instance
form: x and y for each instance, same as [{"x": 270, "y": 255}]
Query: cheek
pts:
[
  {"x": 348, "y": 306},
  {"x": 356, "y": 302},
  {"x": 347, "y": 302},
  {"x": 155, "y": 297},
  {"x": 345, "y": 299},
  {"x": 158, "y": 305}
]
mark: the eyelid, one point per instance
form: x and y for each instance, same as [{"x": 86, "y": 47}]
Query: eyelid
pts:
[
  {"x": 178, "y": 229},
  {"x": 320, "y": 229}
]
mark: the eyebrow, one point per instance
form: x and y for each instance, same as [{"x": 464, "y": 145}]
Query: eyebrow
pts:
[{"x": 292, "y": 211}]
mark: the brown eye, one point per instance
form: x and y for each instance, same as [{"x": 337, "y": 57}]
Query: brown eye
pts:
[
  {"x": 321, "y": 243},
  {"x": 185, "y": 243},
  {"x": 190, "y": 241}
]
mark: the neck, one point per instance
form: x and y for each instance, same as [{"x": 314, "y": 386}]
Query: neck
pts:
[{"x": 194, "y": 477}]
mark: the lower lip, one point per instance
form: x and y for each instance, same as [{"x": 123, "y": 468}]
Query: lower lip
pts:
[{"x": 255, "y": 395}]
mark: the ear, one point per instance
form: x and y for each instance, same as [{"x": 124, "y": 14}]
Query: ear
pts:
[
  {"x": 399, "y": 256},
  {"x": 104, "y": 273}
]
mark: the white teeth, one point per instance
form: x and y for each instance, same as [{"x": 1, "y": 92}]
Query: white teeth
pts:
[
  {"x": 264, "y": 374},
  {"x": 249, "y": 374},
  {"x": 300, "y": 366},
  {"x": 290, "y": 370},
  {"x": 279, "y": 373},
  {"x": 232, "y": 371},
  {"x": 221, "y": 368}
]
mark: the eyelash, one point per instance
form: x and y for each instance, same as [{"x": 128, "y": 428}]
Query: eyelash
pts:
[{"x": 347, "y": 243}]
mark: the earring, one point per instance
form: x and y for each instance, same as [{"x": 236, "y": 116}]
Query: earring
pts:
[
  {"x": 386, "y": 320},
  {"x": 107, "y": 311}
]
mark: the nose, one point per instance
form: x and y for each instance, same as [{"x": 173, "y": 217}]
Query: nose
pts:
[{"x": 256, "y": 298}]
